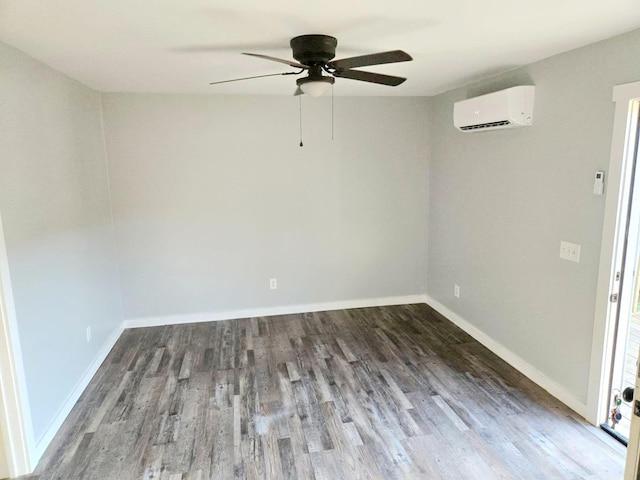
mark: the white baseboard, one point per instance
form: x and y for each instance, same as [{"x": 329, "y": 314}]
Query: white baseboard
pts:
[
  {"x": 511, "y": 358},
  {"x": 270, "y": 311},
  {"x": 42, "y": 444}
]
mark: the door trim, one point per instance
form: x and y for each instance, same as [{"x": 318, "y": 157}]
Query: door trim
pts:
[
  {"x": 15, "y": 416},
  {"x": 626, "y": 106}
]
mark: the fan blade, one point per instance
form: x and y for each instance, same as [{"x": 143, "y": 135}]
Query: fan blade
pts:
[
  {"x": 393, "y": 56},
  {"x": 370, "y": 77},
  {"x": 256, "y": 76},
  {"x": 279, "y": 60}
]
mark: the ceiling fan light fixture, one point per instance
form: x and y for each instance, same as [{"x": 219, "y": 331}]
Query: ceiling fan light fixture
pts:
[{"x": 315, "y": 86}]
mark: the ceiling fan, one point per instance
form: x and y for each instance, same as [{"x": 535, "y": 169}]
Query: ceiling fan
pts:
[{"x": 314, "y": 55}]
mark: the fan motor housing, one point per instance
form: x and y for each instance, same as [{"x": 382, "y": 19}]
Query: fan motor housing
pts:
[{"x": 313, "y": 49}]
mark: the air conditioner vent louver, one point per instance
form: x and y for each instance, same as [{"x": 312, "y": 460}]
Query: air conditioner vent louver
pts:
[
  {"x": 508, "y": 108},
  {"x": 486, "y": 125}
]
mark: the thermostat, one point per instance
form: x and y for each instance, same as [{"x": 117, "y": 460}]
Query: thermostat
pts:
[{"x": 598, "y": 183}]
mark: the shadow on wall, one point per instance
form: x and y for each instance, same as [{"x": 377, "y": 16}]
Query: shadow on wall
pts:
[{"x": 507, "y": 80}]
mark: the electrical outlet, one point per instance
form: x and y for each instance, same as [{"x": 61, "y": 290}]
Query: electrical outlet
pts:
[
  {"x": 273, "y": 283},
  {"x": 570, "y": 251},
  {"x": 88, "y": 333},
  {"x": 456, "y": 291}
]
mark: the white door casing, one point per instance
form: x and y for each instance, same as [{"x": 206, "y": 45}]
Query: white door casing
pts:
[
  {"x": 618, "y": 178},
  {"x": 15, "y": 417},
  {"x": 4, "y": 464}
]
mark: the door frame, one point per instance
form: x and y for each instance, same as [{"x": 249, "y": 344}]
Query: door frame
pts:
[
  {"x": 15, "y": 416},
  {"x": 627, "y": 108}
]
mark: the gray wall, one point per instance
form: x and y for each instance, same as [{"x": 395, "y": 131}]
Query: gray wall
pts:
[
  {"x": 55, "y": 210},
  {"x": 501, "y": 201},
  {"x": 212, "y": 196}
]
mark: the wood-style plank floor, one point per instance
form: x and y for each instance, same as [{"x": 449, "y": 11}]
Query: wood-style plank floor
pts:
[{"x": 376, "y": 393}]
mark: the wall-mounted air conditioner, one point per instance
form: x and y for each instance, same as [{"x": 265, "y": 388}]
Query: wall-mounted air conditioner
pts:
[{"x": 508, "y": 108}]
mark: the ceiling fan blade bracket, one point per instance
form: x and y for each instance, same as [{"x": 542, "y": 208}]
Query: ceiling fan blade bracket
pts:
[{"x": 328, "y": 69}]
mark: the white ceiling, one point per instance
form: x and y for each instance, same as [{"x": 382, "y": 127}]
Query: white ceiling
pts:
[{"x": 181, "y": 45}]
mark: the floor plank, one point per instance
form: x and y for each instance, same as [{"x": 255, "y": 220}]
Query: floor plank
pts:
[{"x": 373, "y": 393}]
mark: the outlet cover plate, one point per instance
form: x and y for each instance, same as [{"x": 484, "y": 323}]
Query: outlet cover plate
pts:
[{"x": 570, "y": 251}]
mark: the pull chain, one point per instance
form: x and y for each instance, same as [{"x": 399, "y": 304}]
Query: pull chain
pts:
[{"x": 300, "y": 102}]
